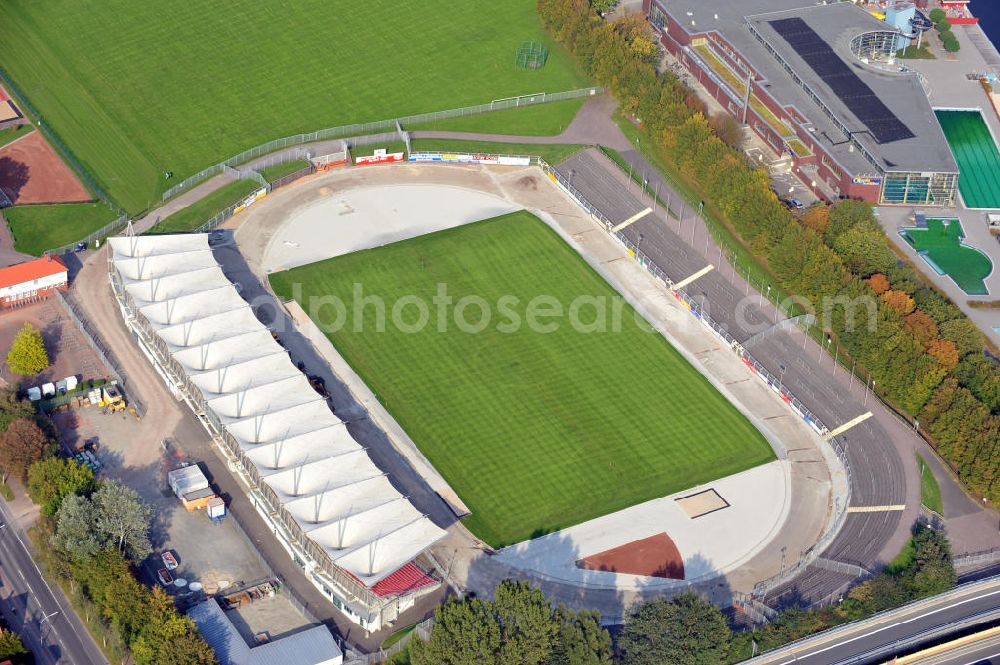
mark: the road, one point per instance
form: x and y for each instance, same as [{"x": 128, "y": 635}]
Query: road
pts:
[
  {"x": 42, "y": 616},
  {"x": 877, "y": 639}
]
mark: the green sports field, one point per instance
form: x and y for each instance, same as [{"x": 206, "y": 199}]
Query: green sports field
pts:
[
  {"x": 535, "y": 430},
  {"x": 977, "y": 157},
  {"x": 942, "y": 244},
  {"x": 139, "y": 88}
]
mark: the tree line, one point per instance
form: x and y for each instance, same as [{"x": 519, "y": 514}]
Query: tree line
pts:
[
  {"x": 520, "y": 627},
  {"x": 924, "y": 355},
  {"x": 91, "y": 535}
]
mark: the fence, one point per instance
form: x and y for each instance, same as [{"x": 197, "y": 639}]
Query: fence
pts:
[
  {"x": 977, "y": 559},
  {"x": 421, "y": 630},
  {"x": 57, "y": 143},
  {"x": 105, "y": 354},
  {"x": 109, "y": 229},
  {"x": 840, "y": 507},
  {"x": 360, "y": 129}
]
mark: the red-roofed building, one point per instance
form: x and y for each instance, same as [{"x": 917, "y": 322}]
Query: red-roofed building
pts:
[{"x": 31, "y": 281}]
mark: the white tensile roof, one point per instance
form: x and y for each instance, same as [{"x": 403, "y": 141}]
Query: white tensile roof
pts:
[{"x": 303, "y": 452}]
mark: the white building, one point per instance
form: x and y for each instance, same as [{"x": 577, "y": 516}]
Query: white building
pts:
[{"x": 30, "y": 281}]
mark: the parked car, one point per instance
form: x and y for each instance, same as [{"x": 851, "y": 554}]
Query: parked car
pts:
[
  {"x": 80, "y": 247},
  {"x": 793, "y": 204}
]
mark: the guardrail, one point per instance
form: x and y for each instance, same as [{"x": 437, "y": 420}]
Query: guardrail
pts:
[
  {"x": 100, "y": 234},
  {"x": 763, "y": 588},
  {"x": 392, "y": 124},
  {"x": 793, "y": 649}
]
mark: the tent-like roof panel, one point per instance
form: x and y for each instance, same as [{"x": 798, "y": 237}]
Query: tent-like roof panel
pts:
[
  {"x": 225, "y": 352},
  {"x": 152, "y": 267},
  {"x": 297, "y": 450},
  {"x": 241, "y": 376},
  {"x": 326, "y": 481},
  {"x": 177, "y": 285},
  {"x": 210, "y": 329},
  {"x": 139, "y": 246}
]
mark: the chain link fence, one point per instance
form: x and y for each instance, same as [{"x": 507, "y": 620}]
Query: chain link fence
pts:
[
  {"x": 92, "y": 239},
  {"x": 103, "y": 352},
  {"x": 57, "y": 143},
  {"x": 361, "y": 129}
]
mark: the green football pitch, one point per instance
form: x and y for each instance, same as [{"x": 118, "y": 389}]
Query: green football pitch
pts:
[
  {"x": 136, "y": 89},
  {"x": 941, "y": 246},
  {"x": 536, "y": 430}
]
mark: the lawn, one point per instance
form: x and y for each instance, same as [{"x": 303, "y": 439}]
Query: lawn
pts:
[
  {"x": 272, "y": 173},
  {"x": 196, "y": 214},
  {"x": 537, "y": 120},
  {"x": 942, "y": 243},
  {"x": 37, "y": 228},
  {"x": 930, "y": 491},
  {"x": 12, "y": 133},
  {"x": 536, "y": 429},
  {"x": 139, "y": 88},
  {"x": 553, "y": 154}
]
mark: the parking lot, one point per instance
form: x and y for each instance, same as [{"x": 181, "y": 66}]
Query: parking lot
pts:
[{"x": 215, "y": 554}]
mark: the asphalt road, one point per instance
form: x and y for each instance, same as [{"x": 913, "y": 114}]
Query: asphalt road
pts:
[
  {"x": 881, "y": 637},
  {"x": 42, "y": 616},
  {"x": 681, "y": 248}
]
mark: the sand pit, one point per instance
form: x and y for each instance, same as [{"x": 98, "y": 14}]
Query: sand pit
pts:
[
  {"x": 31, "y": 172},
  {"x": 8, "y": 111},
  {"x": 702, "y": 503},
  {"x": 656, "y": 556}
]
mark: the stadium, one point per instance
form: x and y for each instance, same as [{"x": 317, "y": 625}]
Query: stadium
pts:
[
  {"x": 820, "y": 82},
  {"x": 502, "y": 443}
]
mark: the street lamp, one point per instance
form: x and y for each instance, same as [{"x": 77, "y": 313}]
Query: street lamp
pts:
[
  {"x": 781, "y": 378},
  {"x": 638, "y": 242}
]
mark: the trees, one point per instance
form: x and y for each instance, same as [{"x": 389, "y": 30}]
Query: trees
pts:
[
  {"x": 517, "y": 627},
  {"x": 687, "y": 630},
  {"x": 76, "y": 534},
  {"x": 167, "y": 637},
  {"x": 11, "y": 645},
  {"x": 114, "y": 517},
  {"x": 864, "y": 251},
  {"x": 825, "y": 256},
  {"x": 27, "y": 354},
  {"x": 50, "y": 480},
  {"x": 12, "y": 408},
  {"x": 123, "y": 519},
  {"x": 22, "y": 444},
  {"x": 727, "y": 128}
]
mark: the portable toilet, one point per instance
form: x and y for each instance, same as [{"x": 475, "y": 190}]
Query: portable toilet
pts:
[
  {"x": 34, "y": 393},
  {"x": 48, "y": 389},
  {"x": 71, "y": 383}
]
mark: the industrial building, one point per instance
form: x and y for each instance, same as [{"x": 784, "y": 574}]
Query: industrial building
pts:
[
  {"x": 821, "y": 84},
  {"x": 334, "y": 511}
]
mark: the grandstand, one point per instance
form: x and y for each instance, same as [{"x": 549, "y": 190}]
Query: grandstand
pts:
[
  {"x": 330, "y": 506},
  {"x": 820, "y": 83}
]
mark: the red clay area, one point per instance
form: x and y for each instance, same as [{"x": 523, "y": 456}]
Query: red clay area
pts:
[
  {"x": 656, "y": 556},
  {"x": 31, "y": 172}
]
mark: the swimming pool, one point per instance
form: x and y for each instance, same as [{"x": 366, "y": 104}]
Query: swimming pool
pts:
[{"x": 977, "y": 156}]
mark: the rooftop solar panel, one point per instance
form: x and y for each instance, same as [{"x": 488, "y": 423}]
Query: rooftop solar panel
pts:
[{"x": 861, "y": 100}]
